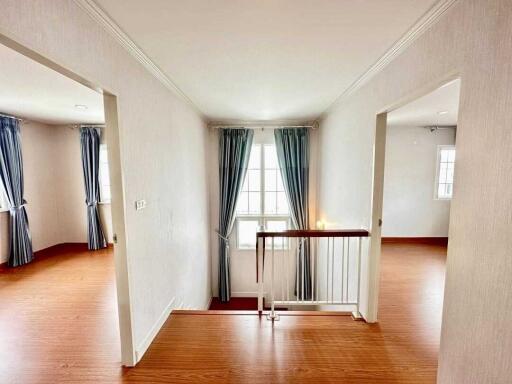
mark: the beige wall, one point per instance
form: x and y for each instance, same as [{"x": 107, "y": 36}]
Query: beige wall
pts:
[
  {"x": 163, "y": 157},
  {"x": 473, "y": 40},
  {"x": 54, "y": 189},
  {"x": 410, "y": 207}
]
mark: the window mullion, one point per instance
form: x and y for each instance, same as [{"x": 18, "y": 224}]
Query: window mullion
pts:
[{"x": 262, "y": 182}]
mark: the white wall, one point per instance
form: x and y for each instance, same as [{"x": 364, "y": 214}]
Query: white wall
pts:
[
  {"x": 243, "y": 262},
  {"x": 473, "y": 40},
  {"x": 410, "y": 207},
  {"x": 54, "y": 189},
  {"x": 163, "y": 157}
]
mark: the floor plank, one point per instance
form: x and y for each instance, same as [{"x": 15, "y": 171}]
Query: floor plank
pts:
[{"x": 58, "y": 324}]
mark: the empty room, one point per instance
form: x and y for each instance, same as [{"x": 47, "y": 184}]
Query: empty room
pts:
[{"x": 255, "y": 192}]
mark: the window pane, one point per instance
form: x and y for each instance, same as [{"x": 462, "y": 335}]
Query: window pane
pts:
[
  {"x": 444, "y": 155},
  {"x": 103, "y": 174},
  {"x": 254, "y": 203},
  {"x": 105, "y": 193},
  {"x": 270, "y": 180},
  {"x": 276, "y": 225},
  {"x": 247, "y": 233},
  {"x": 270, "y": 203},
  {"x": 280, "y": 186},
  {"x": 243, "y": 203},
  {"x": 245, "y": 185},
  {"x": 270, "y": 157},
  {"x": 253, "y": 177},
  {"x": 440, "y": 190},
  {"x": 449, "y": 175},
  {"x": 451, "y": 155},
  {"x": 446, "y": 172},
  {"x": 282, "y": 203},
  {"x": 442, "y": 173},
  {"x": 254, "y": 159}
]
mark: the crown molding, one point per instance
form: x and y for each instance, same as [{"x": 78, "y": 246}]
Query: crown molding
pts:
[
  {"x": 420, "y": 27},
  {"x": 126, "y": 42}
]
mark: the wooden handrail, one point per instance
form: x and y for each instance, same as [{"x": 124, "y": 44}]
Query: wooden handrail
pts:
[{"x": 316, "y": 233}]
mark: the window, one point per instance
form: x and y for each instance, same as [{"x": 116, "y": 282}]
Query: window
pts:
[
  {"x": 4, "y": 204},
  {"x": 262, "y": 202},
  {"x": 104, "y": 176},
  {"x": 445, "y": 168}
]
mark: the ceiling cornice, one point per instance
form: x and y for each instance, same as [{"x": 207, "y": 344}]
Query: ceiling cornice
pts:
[
  {"x": 420, "y": 27},
  {"x": 99, "y": 15}
]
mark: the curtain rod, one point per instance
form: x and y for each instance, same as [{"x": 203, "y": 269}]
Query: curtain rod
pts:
[
  {"x": 10, "y": 116},
  {"x": 88, "y": 125},
  {"x": 263, "y": 126}
]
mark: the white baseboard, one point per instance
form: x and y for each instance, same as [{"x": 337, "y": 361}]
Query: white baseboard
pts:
[{"x": 144, "y": 345}]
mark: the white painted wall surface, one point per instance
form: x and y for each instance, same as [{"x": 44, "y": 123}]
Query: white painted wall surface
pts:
[
  {"x": 163, "y": 156},
  {"x": 473, "y": 40},
  {"x": 410, "y": 207}
]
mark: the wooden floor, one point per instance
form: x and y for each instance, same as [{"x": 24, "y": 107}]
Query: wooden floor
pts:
[{"x": 58, "y": 324}]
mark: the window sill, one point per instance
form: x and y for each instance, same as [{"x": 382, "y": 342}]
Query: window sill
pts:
[{"x": 104, "y": 203}]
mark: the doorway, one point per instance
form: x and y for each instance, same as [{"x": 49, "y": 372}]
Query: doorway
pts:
[
  {"x": 414, "y": 163},
  {"x": 51, "y": 104}
]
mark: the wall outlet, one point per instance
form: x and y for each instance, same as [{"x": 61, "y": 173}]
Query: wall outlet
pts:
[{"x": 140, "y": 204}]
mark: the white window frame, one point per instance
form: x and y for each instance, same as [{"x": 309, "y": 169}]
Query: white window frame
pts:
[
  {"x": 262, "y": 138},
  {"x": 438, "y": 168}
]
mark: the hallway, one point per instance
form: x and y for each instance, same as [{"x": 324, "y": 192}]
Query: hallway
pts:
[{"x": 58, "y": 324}]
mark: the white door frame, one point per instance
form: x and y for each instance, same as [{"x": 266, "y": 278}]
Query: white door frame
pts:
[
  {"x": 379, "y": 157},
  {"x": 379, "y": 154},
  {"x": 112, "y": 131}
]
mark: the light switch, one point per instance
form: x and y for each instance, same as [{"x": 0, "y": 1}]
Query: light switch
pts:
[{"x": 140, "y": 204}]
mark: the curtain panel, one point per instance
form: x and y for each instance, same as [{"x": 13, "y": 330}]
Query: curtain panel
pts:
[
  {"x": 11, "y": 174},
  {"x": 90, "y": 146},
  {"x": 234, "y": 151},
  {"x": 292, "y": 146}
]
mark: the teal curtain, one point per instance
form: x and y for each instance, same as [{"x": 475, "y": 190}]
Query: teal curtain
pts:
[
  {"x": 234, "y": 151},
  {"x": 292, "y": 145}
]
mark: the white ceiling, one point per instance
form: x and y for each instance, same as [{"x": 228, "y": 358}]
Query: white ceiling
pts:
[
  {"x": 425, "y": 110},
  {"x": 267, "y": 59},
  {"x": 34, "y": 92}
]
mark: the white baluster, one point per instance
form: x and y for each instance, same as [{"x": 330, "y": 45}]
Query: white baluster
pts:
[
  {"x": 281, "y": 269},
  {"x": 259, "y": 260},
  {"x": 357, "y": 314},
  {"x": 342, "y": 266},
  {"x": 316, "y": 266},
  {"x": 288, "y": 269},
  {"x": 312, "y": 260},
  {"x": 348, "y": 270},
  {"x": 272, "y": 316},
  {"x": 297, "y": 272},
  {"x": 327, "y": 271}
]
